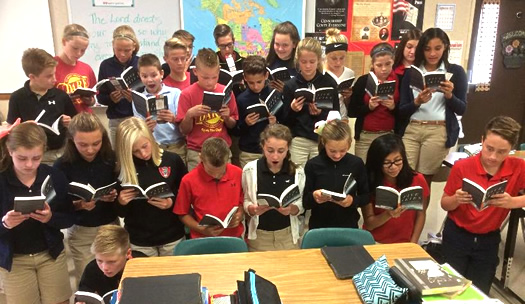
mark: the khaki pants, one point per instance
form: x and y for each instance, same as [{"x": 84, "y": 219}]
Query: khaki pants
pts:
[
  {"x": 302, "y": 149},
  {"x": 272, "y": 240},
  {"x": 365, "y": 140},
  {"x": 163, "y": 250},
  {"x": 194, "y": 159},
  {"x": 79, "y": 239},
  {"x": 247, "y": 157},
  {"x": 178, "y": 148},
  {"x": 425, "y": 147},
  {"x": 37, "y": 278},
  {"x": 50, "y": 156},
  {"x": 113, "y": 126}
]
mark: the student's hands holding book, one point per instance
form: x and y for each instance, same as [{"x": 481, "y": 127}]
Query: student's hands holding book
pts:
[
  {"x": 211, "y": 230},
  {"x": 151, "y": 123},
  {"x": 166, "y": 116},
  {"x": 13, "y": 218},
  {"x": 289, "y": 210},
  {"x": 347, "y": 93},
  {"x": 277, "y": 84},
  {"x": 446, "y": 87},
  {"x": 503, "y": 200},
  {"x": 127, "y": 95},
  {"x": 251, "y": 119},
  {"x": 116, "y": 96},
  {"x": 319, "y": 197},
  {"x": 297, "y": 104},
  {"x": 42, "y": 216},
  {"x": 66, "y": 120},
  {"x": 224, "y": 112},
  {"x": 198, "y": 110},
  {"x": 161, "y": 203},
  {"x": 388, "y": 102},
  {"x": 396, "y": 212},
  {"x": 313, "y": 109},
  {"x": 254, "y": 210},
  {"x": 237, "y": 218},
  {"x": 127, "y": 195},
  {"x": 109, "y": 198},
  {"x": 374, "y": 102},
  {"x": 83, "y": 205},
  {"x": 424, "y": 96}
]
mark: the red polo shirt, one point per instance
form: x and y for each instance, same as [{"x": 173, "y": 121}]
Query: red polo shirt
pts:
[
  {"x": 490, "y": 219},
  {"x": 200, "y": 191}
]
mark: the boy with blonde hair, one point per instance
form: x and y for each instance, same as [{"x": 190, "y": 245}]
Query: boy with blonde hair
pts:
[
  {"x": 39, "y": 93},
  {"x": 196, "y": 120},
  {"x": 176, "y": 56}
]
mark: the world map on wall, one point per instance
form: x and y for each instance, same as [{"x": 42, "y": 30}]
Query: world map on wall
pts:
[{"x": 252, "y": 21}]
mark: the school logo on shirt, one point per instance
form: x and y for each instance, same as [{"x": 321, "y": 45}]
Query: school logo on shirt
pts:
[
  {"x": 165, "y": 171},
  {"x": 210, "y": 123},
  {"x": 51, "y": 102},
  {"x": 72, "y": 82}
]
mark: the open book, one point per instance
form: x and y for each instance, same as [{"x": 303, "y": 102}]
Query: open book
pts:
[
  {"x": 349, "y": 186},
  {"x": 29, "y": 204},
  {"x": 88, "y": 193},
  {"x": 382, "y": 90},
  {"x": 289, "y": 195},
  {"x": 389, "y": 198},
  {"x": 273, "y": 102},
  {"x": 160, "y": 190},
  {"x": 323, "y": 97},
  {"x": 259, "y": 108},
  {"x": 52, "y": 126},
  {"x": 149, "y": 106},
  {"x": 343, "y": 84},
  {"x": 216, "y": 100},
  {"x": 281, "y": 74},
  {"x": 480, "y": 196},
  {"x": 129, "y": 79},
  {"x": 93, "y": 298},
  {"x": 420, "y": 80},
  {"x": 226, "y": 76},
  {"x": 429, "y": 277},
  {"x": 83, "y": 92},
  {"x": 212, "y": 220}
]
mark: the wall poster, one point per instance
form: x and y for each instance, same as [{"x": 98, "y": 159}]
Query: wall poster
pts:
[{"x": 331, "y": 14}]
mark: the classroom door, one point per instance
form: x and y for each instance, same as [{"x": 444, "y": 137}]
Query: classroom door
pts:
[{"x": 507, "y": 89}]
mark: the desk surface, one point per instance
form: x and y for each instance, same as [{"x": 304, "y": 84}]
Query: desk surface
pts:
[{"x": 301, "y": 276}]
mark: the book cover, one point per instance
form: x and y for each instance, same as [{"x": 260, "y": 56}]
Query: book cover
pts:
[
  {"x": 132, "y": 79},
  {"x": 88, "y": 193},
  {"x": 83, "y": 92},
  {"x": 480, "y": 196},
  {"x": 274, "y": 102},
  {"x": 343, "y": 84},
  {"x": 212, "y": 220},
  {"x": 389, "y": 198},
  {"x": 288, "y": 196},
  {"x": 382, "y": 90},
  {"x": 226, "y": 76},
  {"x": 213, "y": 100},
  {"x": 48, "y": 123},
  {"x": 429, "y": 277},
  {"x": 281, "y": 74},
  {"x": 179, "y": 288},
  {"x": 420, "y": 80},
  {"x": 260, "y": 109},
  {"x": 29, "y": 204},
  {"x": 323, "y": 97},
  {"x": 160, "y": 190},
  {"x": 339, "y": 260},
  {"x": 348, "y": 187}
]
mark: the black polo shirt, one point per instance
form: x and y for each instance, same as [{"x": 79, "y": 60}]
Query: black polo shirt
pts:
[
  {"x": 274, "y": 184},
  {"x": 25, "y": 104}
]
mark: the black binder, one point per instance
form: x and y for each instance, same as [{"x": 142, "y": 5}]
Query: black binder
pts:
[{"x": 347, "y": 261}]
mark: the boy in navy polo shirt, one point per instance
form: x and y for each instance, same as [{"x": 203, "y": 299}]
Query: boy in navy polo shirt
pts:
[
  {"x": 471, "y": 238},
  {"x": 39, "y": 93},
  {"x": 214, "y": 187}
]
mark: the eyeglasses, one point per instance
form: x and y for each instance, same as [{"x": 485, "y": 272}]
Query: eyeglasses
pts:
[
  {"x": 388, "y": 164},
  {"x": 226, "y": 46}
]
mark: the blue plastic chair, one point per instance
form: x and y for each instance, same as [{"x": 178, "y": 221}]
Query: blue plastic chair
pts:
[
  {"x": 210, "y": 245},
  {"x": 336, "y": 237}
]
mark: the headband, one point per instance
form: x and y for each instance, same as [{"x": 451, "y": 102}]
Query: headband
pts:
[
  {"x": 383, "y": 49},
  {"x": 124, "y": 36},
  {"x": 332, "y": 47},
  {"x": 6, "y": 132},
  {"x": 81, "y": 34},
  {"x": 332, "y": 115}
]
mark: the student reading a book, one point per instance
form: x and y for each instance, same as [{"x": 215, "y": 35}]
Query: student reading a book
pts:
[
  {"x": 176, "y": 56},
  {"x": 196, "y": 121},
  {"x": 88, "y": 159},
  {"x": 387, "y": 165},
  {"x": 273, "y": 228},
  {"x": 32, "y": 255},
  {"x": 165, "y": 130},
  {"x": 71, "y": 73},
  {"x": 229, "y": 58},
  {"x": 152, "y": 227},
  {"x": 301, "y": 116},
  {"x": 38, "y": 94},
  {"x": 282, "y": 51},
  {"x": 375, "y": 115},
  {"x": 111, "y": 249},
  {"x": 187, "y": 39},
  {"x": 406, "y": 52},
  {"x": 331, "y": 170},
  {"x": 250, "y": 125},
  {"x": 471, "y": 238},
  {"x": 125, "y": 48},
  {"x": 427, "y": 119},
  {"x": 335, "y": 51},
  {"x": 214, "y": 188}
]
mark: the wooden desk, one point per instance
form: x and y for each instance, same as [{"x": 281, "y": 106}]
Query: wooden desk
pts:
[{"x": 301, "y": 276}]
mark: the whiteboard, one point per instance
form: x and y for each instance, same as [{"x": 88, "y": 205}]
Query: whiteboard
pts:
[
  {"x": 153, "y": 21},
  {"x": 23, "y": 24}
]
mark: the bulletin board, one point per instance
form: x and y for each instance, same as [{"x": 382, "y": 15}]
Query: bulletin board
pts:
[{"x": 153, "y": 21}]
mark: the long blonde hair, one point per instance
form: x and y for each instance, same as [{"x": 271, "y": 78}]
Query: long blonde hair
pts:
[
  {"x": 128, "y": 132},
  {"x": 311, "y": 45}
]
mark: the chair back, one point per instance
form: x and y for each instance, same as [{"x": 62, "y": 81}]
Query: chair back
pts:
[
  {"x": 336, "y": 237},
  {"x": 210, "y": 245}
]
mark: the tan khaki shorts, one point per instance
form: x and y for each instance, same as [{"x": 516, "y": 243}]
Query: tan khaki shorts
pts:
[
  {"x": 247, "y": 157},
  {"x": 365, "y": 140},
  {"x": 178, "y": 148},
  {"x": 425, "y": 147},
  {"x": 273, "y": 240},
  {"x": 302, "y": 149}
]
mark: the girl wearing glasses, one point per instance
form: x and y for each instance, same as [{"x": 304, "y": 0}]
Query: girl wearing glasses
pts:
[{"x": 387, "y": 165}]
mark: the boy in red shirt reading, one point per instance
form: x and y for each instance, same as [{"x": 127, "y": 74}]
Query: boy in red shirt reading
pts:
[
  {"x": 197, "y": 121},
  {"x": 471, "y": 238},
  {"x": 213, "y": 188}
]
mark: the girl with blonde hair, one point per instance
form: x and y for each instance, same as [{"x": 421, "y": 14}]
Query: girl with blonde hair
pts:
[
  {"x": 71, "y": 73},
  {"x": 153, "y": 228},
  {"x": 125, "y": 48}
]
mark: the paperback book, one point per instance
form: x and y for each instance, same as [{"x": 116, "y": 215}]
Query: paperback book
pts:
[
  {"x": 83, "y": 92},
  {"x": 382, "y": 90},
  {"x": 93, "y": 298},
  {"x": 88, "y": 193},
  {"x": 149, "y": 106},
  {"x": 129, "y": 79},
  {"x": 420, "y": 80},
  {"x": 226, "y": 76},
  {"x": 343, "y": 84},
  {"x": 348, "y": 187},
  {"x": 481, "y": 196},
  {"x": 29, "y": 204},
  {"x": 47, "y": 122},
  {"x": 212, "y": 220},
  {"x": 322, "y": 97},
  {"x": 389, "y": 198},
  {"x": 289, "y": 195},
  {"x": 281, "y": 74},
  {"x": 160, "y": 190}
]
